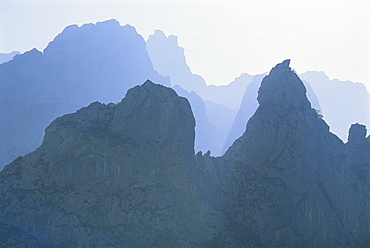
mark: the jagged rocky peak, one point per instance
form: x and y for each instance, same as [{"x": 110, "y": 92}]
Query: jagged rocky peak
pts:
[
  {"x": 163, "y": 115},
  {"x": 283, "y": 120},
  {"x": 289, "y": 162},
  {"x": 74, "y": 39},
  {"x": 283, "y": 87},
  {"x": 357, "y": 134},
  {"x": 148, "y": 113},
  {"x": 125, "y": 172}
]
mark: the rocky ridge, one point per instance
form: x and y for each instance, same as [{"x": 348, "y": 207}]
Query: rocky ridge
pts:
[
  {"x": 125, "y": 175},
  {"x": 108, "y": 176}
]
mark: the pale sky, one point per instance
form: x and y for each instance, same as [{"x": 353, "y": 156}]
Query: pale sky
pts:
[{"x": 222, "y": 39}]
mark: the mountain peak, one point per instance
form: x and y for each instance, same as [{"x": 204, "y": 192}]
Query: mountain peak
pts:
[
  {"x": 357, "y": 134},
  {"x": 111, "y": 22},
  {"x": 282, "y": 87},
  {"x": 274, "y": 126},
  {"x": 285, "y": 63}
]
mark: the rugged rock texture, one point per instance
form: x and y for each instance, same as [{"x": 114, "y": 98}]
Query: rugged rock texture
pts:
[
  {"x": 125, "y": 175},
  {"x": 113, "y": 175},
  {"x": 249, "y": 105},
  {"x": 293, "y": 183},
  {"x": 94, "y": 62}
]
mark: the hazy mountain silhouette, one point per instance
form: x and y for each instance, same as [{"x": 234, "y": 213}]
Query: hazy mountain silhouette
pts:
[
  {"x": 94, "y": 62},
  {"x": 205, "y": 132},
  {"x": 222, "y": 118},
  {"x": 5, "y": 57},
  {"x": 125, "y": 175},
  {"x": 169, "y": 60},
  {"x": 247, "y": 108},
  {"x": 342, "y": 102},
  {"x": 223, "y": 101}
]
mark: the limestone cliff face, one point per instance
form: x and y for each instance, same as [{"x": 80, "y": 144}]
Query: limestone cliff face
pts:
[
  {"x": 113, "y": 175},
  {"x": 292, "y": 183},
  {"x": 125, "y": 175}
]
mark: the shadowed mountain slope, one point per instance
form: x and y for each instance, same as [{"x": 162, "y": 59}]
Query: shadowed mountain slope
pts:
[
  {"x": 250, "y": 104},
  {"x": 113, "y": 175},
  {"x": 293, "y": 182},
  {"x": 125, "y": 175}
]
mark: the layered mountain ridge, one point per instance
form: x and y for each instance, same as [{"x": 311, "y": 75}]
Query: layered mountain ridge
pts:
[
  {"x": 99, "y": 62},
  {"x": 125, "y": 175},
  {"x": 94, "y": 62}
]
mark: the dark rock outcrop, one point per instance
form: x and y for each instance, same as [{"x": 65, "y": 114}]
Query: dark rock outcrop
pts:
[
  {"x": 125, "y": 175},
  {"x": 249, "y": 105},
  {"x": 114, "y": 175},
  {"x": 292, "y": 180}
]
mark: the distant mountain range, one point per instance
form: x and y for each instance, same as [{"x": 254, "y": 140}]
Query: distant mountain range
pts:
[
  {"x": 169, "y": 60},
  {"x": 99, "y": 62},
  {"x": 341, "y": 103}
]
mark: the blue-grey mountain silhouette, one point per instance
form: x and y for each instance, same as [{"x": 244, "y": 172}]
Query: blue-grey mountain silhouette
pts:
[
  {"x": 94, "y": 62},
  {"x": 205, "y": 131},
  {"x": 125, "y": 175},
  {"x": 169, "y": 60},
  {"x": 342, "y": 102},
  {"x": 5, "y": 57}
]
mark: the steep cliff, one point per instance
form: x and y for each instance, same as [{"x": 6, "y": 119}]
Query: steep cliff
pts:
[
  {"x": 292, "y": 182},
  {"x": 113, "y": 175},
  {"x": 125, "y": 175},
  {"x": 249, "y": 105}
]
